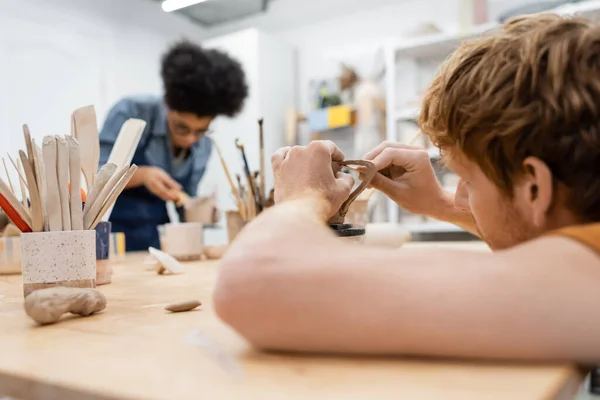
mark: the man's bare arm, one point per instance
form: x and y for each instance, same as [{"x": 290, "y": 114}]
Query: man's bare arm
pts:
[
  {"x": 287, "y": 283},
  {"x": 449, "y": 213}
]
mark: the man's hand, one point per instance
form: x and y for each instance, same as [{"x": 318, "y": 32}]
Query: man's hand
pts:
[
  {"x": 160, "y": 183},
  {"x": 411, "y": 182},
  {"x": 306, "y": 171}
]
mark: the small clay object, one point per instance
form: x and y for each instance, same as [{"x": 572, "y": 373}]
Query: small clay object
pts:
[
  {"x": 46, "y": 306},
  {"x": 183, "y": 306},
  {"x": 215, "y": 252}
]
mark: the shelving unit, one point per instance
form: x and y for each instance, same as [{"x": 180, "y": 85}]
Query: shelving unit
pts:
[{"x": 411, "y": 64}]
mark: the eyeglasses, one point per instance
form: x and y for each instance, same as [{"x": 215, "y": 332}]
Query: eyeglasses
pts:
[{"x": 181, "y": 129}]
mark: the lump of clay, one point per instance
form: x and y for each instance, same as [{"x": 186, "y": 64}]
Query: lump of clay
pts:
[
  {"x": 183, "y": 306},
  {"x": 46, "y": 306}
]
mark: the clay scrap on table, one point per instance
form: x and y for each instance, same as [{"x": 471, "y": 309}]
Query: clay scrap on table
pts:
[
  {"x": 183, "y": 306},
  {"x": 47, "y": 306}
]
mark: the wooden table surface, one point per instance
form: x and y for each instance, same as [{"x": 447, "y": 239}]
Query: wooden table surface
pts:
[{"x": 137, "y": 350}]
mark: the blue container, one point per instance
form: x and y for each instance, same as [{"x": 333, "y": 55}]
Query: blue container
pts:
[{"x": 103, "y": 240}]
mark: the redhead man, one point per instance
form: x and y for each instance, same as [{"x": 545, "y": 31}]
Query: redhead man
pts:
[{"x": 517, "y": 116}]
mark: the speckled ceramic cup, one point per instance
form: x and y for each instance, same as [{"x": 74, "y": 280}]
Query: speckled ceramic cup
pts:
[{"x": 63, "y": 258}]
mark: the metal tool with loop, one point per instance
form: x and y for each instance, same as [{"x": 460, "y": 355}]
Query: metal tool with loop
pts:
[{"x": 368, "y": 170}]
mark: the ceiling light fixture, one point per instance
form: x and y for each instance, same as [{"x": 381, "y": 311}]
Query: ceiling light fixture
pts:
[{"x": 172, "y": 5}]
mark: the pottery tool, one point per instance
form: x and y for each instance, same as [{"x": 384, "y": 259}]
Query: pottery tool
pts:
[
  {"x": 37, "y": 219},
  {"x": 106, "y": 172},
  {"x": 182, "y": 198},
  {"x": 108, "y": 203},
  {"x": 238, "y": 199},
  {"x": 166, "y": 262},
  {"x": 75, "y": 184},
  {"x": 255, "y": 180},
  {"x": 40, "y": 173},
  {"x": 369, "y": 171},
  {"x": 62, "y": 172},
  {"x": 29, "y": 147},
  {"x": 92, "y": 208},
  {"x": 262, "y": 192},
  {"x": 85, "y": 130},
  {"x": 23, "y": 185},
  {"x": 13, "y": 209},
  {"x": 16, "y": 167},
  {"x": 254, "y": 206},
  {"x": 125, "y": 146},
  {"x": 49, "y": 151},
  {"x": 12, "y": 189},
  {"x": 127, "y": 141}
]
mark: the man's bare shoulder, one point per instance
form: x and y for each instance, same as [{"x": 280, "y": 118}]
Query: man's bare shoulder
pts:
[{"x": 553, "y": 251}]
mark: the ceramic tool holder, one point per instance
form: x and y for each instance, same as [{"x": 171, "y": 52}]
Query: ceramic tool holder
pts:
[
  {"x": 348, "y": 231},
  {"x": 235, "y": 223},
  {"x": 183, "y": 241},
  {"x": 59, "y": 258},
  {"x": 103, "y": 266},
  {"x": 10, "y": 255}
]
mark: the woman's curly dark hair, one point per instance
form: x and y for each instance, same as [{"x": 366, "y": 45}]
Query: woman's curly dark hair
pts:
[{"x": 201, "y": 81}]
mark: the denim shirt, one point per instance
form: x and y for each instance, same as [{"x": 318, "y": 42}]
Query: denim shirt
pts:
[{"x": 158, "y": 151}]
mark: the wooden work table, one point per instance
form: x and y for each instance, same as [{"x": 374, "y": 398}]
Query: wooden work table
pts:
[{"x": 137, "y": 350}]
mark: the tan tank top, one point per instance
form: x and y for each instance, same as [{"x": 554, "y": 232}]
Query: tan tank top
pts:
[{"x": 587, "y": 234}]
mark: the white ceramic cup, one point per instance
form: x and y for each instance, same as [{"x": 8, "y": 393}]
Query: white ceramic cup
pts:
[
  {"x": 183, "y": 241},
  {"x": 61, "y": 258}
]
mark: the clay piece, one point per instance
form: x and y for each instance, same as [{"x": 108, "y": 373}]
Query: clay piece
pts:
[
  {"x": 46, "y": 306},
  {"x": 183, "y": 306},
  {"x": 215, "y": 252}
]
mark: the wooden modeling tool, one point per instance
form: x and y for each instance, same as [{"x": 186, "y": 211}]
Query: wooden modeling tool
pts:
[
  {"x": 238, "y": 199},
  {"x": 125, "y": 146},
  {"x": 106, "y": 172},
  {"x": 40, "y": 173},
  {"x": 23, "y": 185},
  {"x": 262, "y": 192},
  {"x": 253, "y": 204},
  {"x": 75, "y": 184},
  {"x": 91, "y": 212},
  {"x": 12, "y": 189},
  {"x": 127, "y": 141},
  {"x": 13, "y": 209},
  {"x": 50, "y": 151},
  {"x": 37, "y": 219},
  {"x": 62, "y": 171},
  {"x": 16, "y": 167},
  {"x": 85, "y": 130},
  {"x": 29, "y": 146},
  {"x": 114, "y": 195}
]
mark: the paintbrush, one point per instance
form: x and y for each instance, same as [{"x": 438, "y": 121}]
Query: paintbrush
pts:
[
  {"x": 238, "y": 199},
  {"x": 256, "y": 184},
  {"x": 252, "y": 189},
  {"x": 262, "y": 193}
]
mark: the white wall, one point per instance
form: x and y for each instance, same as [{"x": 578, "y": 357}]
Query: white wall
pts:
[
  {"x": 355, "y": 37},
  {"x": 61, "y": 54}
]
